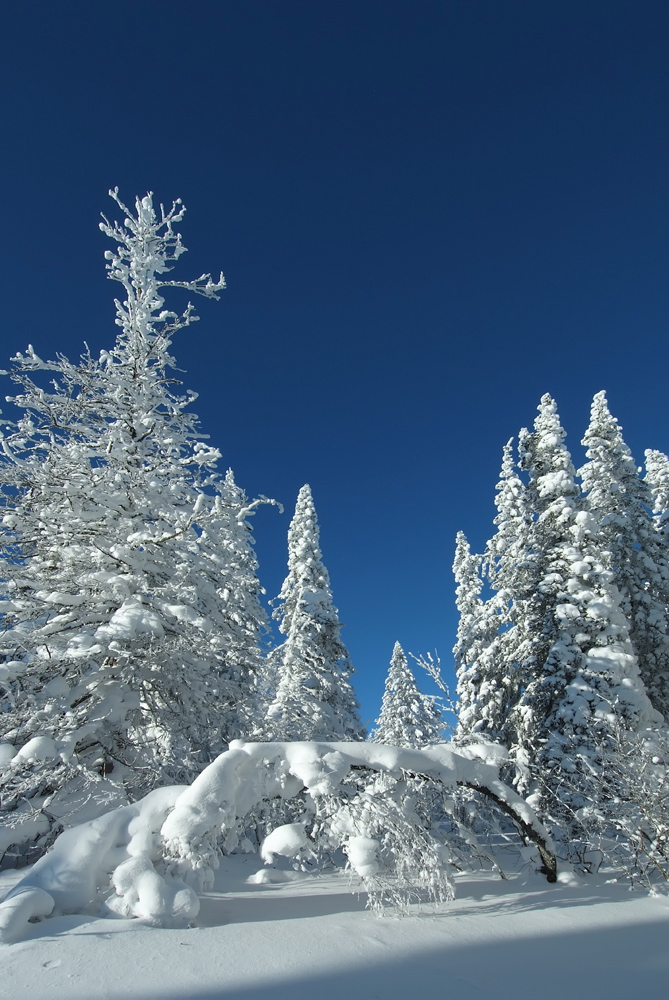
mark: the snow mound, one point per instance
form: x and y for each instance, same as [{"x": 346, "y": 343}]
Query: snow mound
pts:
[
  {"x": 141, "y": 892},
  {"x": 287, "y": 840},
  {"x": 272, "y": 876},
  {"x": 361, "y": 853},
  {"x": 74, "y": 876}
]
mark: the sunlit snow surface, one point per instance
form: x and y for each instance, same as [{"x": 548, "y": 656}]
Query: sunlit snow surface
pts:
[{"x": 310, "y": 936}]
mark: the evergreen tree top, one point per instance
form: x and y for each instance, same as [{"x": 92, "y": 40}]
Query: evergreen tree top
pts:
[
  {"x": 306, "y": 570},
  {"x": 408, "y": 718},
  {"x": 545, "y": 456},
  {"x": 611, "y": 467}
]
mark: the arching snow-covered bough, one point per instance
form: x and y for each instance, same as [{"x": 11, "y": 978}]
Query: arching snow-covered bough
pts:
[{"x": 147, "y": 860}]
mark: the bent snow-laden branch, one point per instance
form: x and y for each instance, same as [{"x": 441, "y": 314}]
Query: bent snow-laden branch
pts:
[
  {"x": 153, "y": 875},
  {"x": 531, "y": 833},
  {"x": 223, "y": 792}
]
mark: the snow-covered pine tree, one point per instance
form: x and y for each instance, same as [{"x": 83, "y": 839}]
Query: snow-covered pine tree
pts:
[
  {"x": 583, "y": 677},
  {"x": 227, "y": 585},
  {"x": 121, "y": 658},
  {"x": 657, "y": 478},
  {"x": 621, "y": 504},
  {"x": 489, "y": 685},
  {"x": 468, "y": 586},
  {"x": 314, "y": 698},
  {"x": 408, "y": 718},
  {"x": 476, "y": 639},
  {"x": 507, "y": 558}
]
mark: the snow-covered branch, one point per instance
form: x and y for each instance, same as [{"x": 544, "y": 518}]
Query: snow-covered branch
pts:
[{"x": 154, "y": 878}]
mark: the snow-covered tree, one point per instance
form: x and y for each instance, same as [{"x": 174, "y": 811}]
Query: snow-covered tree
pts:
[
  {"x": 314, "y": 697},
  {"x": 621, "y": 504},
  {"x": 408, "y": 718},
  {"x": 657, "y": 478},
  {"x": 477, "y": 641},
  {"x": 227, "y": 575},
  {"x": 582, "y": 675},
  {"x": 468, "y": 586},
  {"x": 490, "y": 674},
  {"x": 124, "y": 658},
  {"x": 365, "y": 800},
  {"x": 507, "y": 557}
]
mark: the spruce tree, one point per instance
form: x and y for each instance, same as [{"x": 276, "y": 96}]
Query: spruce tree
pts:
[
  {"x": 583, "y": 680},
  {"x": 121, "y": 651},
  {"x": 227, "y": 577},
  {"x": 408, "y": 718},
  {"x": 314, "y": 698},
  {"x": 657, "y": 479},
  {"x": 477, "y": 648},
  {"x": 490, "y": 652},
  {"x": 621, "y": 504},
  {"x": 507, "y": 566},
  {"x": 507, "y": 557}
]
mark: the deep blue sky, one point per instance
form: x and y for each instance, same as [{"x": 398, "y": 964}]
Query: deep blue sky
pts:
[{"x": 428, "y": 213}]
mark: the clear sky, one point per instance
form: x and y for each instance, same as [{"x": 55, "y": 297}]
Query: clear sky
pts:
[{"x": 429, "y": 213}]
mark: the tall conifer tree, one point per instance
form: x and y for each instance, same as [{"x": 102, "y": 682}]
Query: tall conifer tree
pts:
[
  {"x": 314, "y": 697},
  {"x": 228, "y": 576},
  {"x": 121, "y": 652},
  {"x": 657, "y": 478},
  {"x": 494, "y": 641},
  {"x": 583, "y": 676},
  {"x": 621, "y": 503},
  {"x": 478, "y": 658},
  {"x": 508, "y": 556}
]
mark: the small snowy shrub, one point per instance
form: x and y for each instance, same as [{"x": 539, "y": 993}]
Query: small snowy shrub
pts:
[
  {"x": 379, "y": 821},
  {"x": 624, "y": 822}
]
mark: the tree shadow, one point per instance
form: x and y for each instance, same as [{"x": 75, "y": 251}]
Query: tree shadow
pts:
[
  {"x": 241, "y": 902},
  {"x": 614, "y": 963},
  {"x": 217, "y": 909}
]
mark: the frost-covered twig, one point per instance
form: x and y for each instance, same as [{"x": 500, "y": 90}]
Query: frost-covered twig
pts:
[{"x": 432, "y": 667}]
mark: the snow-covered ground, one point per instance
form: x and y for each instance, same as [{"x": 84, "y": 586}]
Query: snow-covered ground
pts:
[{"x": 311, "y": 936}]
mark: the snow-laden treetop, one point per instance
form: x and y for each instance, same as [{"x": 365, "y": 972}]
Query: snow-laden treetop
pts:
[{"x": 146, "y": 247}]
